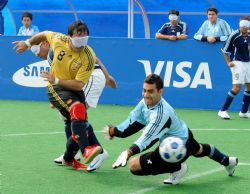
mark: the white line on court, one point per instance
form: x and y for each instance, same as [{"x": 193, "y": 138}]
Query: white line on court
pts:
[
  {"x": 30, "y": 134},
  {"x": 195, "y": 176},
  {"x": 98, "y": 131},
  {"x": 220, "y": 129}
]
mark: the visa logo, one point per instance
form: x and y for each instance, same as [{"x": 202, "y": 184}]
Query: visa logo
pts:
[
  {"x": 178, "y": 76},
  {"x": 29, "y": 75}
]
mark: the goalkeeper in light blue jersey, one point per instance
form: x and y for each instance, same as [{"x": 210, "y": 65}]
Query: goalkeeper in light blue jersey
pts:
[{"x": 158, "y": 120}]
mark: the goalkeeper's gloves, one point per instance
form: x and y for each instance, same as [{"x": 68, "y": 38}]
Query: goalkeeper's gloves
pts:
[
  {"x": 121, "y": 160},
  {"x": 108, "y": 131}
]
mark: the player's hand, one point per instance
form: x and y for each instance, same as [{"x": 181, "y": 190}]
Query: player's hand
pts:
[
  {"x": 121, "y": 161},
  {"x": 48, "y": 77},
  {"x": 172, "y": 37},
  {"x": 20, "y": 46},
  {"x": 230, "y": 64},
  {"x": 181, "y": 36},
  {"x": 211, "y": 39},
  {"x": 111, "y": 82},
  {"x": 106, "y": 132}
]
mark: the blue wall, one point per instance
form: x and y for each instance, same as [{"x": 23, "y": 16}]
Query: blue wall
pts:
[{"x": 195, "y": 73}]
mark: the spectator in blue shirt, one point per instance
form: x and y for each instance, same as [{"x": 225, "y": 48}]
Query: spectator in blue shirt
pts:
[
  {"x": 213, "y": 29},
  {"x": 28, "y": 29},
  {"x": 173, "y": 30}
]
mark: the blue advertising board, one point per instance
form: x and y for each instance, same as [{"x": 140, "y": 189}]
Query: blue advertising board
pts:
[{"x": 195, "y": 74}]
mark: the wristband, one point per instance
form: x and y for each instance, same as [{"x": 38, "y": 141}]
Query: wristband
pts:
[
  {"x": 27, "y": 42},
  {"x": 56, "y": 82}
]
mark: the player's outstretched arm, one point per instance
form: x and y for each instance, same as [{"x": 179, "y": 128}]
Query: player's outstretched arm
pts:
[
  {"x": 22, "y": 46},
  {"x": 111, "y": 82},
  {"x": 109, "y": 79}
]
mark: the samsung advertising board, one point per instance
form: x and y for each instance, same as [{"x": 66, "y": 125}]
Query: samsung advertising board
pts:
[{"x": 195, "y": 74}]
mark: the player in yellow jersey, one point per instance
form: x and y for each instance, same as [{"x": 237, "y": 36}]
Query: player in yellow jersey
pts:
[
  {"x": 92, "y": 90},
  {"x": 72, "y": 66}
]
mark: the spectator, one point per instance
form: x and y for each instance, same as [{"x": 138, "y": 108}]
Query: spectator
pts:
[
  {"x": 173, "y": 30},
  {"x": 214, "y": 29},
  {"x": 28, "y": 29},
  {"x": 2, "y": 5}
]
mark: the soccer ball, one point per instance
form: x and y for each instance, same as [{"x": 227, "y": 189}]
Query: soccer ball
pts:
[{"x": 172, "y": 149}]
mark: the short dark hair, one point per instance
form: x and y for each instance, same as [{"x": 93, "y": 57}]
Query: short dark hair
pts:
[
  {"x": 28, "y": 15},
  {"x": 79, "y": 26},
  {"x": 244, "y": 18},
  {"x": 154, "y": 79},
  {"x": 213, "y": 9},
  {"x": 174, "y": 11}
]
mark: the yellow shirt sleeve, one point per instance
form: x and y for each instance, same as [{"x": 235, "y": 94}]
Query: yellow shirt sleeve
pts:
[{"x": 50, "y": 36}]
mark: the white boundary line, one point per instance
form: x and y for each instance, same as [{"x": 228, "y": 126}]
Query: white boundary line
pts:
[
  {"x": 30, "y": 134},
  {"x": 195, "y": 176},
  {"x": 220, "y": 129},
  {"x": 62, "y": 132}
]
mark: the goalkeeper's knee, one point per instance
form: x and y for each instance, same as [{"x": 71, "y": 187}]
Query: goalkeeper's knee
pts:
[
  {"x": 135, "y": 167},
  {"x": 205, "y": 150}
]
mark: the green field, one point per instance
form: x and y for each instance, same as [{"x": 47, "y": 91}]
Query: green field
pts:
[{"x": 31, "y": 136}]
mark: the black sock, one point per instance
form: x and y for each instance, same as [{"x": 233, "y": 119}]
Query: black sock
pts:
[
  {"x": 92, "y": 137},
  {"x": 67, "y": 128},
  {"x": 71, "y": 150},
  {"x": 79, "y": 130}
]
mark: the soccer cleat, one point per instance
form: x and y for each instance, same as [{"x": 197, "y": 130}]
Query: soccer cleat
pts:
[
  {"x": 233, "y": 161},
  {"x": 75, "y": 164},
  {"x": 97, "y": 161},
  {"x": 175, "y": 177},
  {"x": 223, "y": 114},
  {"x": 244, "y": 115},
  {"x": 59, "y": 160},
  {"x": 90, "y": 152}
]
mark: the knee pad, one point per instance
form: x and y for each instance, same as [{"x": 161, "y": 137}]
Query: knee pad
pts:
[{"x": 78, "y": 112}]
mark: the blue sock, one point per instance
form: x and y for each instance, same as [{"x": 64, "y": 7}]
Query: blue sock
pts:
[
  {"x": 218, "y": 156},
  {"x": 246, "y": 101},
  {"x": 228, "y": 101}
]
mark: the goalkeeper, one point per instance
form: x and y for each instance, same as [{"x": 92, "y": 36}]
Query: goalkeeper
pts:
[{"x": 160, "y": 121}]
